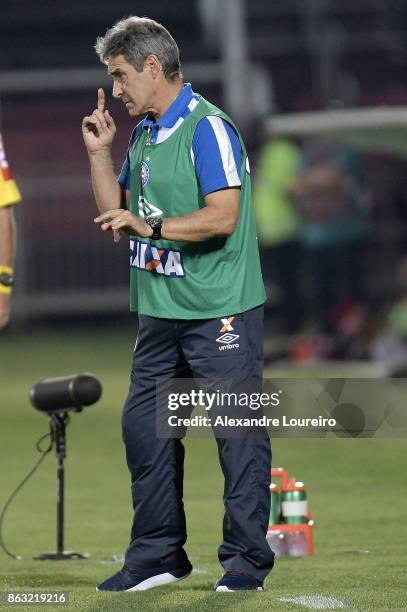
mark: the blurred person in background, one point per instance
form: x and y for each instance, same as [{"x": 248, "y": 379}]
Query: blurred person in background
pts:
[
  {"x": 334, "y": 209},
  {"x": 9, "y": 195},
  {"x": 389, "y": 345},
  {"x": 278, "y": 227},
  {"x": 183, "y": 196}
]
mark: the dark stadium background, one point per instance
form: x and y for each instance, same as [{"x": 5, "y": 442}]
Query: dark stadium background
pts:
[
  {"x": 70, "y": 308},
  {"x": 306, "y": 54}
]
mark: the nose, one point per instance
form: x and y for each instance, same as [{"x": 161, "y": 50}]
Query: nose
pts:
[{"x": 117, "y": 89}]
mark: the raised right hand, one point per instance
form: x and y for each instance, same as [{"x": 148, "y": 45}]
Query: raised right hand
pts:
[{"x": 98, "y": 129}]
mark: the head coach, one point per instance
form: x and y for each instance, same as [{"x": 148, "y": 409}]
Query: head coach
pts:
[{"x": 183, "y": 196}]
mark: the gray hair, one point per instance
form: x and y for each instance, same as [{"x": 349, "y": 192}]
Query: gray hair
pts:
[{"x": 136, "y": 38}]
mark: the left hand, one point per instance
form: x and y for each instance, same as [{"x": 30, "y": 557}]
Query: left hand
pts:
[{"x": 123, "y": 222}]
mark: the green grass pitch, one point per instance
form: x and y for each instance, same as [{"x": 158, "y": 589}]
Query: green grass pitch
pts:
[{"x": 356, "y": 489}]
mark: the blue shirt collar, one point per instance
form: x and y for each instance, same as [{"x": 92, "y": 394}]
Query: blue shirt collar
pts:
[{"x": 173, "y": 112}]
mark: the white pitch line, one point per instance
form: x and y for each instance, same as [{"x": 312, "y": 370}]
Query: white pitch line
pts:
[{"x": 315, "y": 602}]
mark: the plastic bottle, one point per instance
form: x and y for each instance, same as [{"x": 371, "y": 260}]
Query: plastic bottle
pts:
[
  {"x": 274, "y": 505},
  {"x": 296, "y": 544},
  {"x": 294, "y": 505},
  {"x": 277, "y": 542}
]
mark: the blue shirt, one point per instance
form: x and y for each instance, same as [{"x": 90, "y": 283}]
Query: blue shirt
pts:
[{"x": 215, "y": 151}]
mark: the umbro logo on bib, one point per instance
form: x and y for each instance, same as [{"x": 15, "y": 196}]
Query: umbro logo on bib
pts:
[{"x": 146, "y": 209}]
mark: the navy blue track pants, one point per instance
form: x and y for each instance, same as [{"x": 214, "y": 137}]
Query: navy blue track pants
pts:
[{"x": 181, "y": 349}]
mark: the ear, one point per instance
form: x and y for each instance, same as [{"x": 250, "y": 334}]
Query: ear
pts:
[{"x": 153, "y": 65}]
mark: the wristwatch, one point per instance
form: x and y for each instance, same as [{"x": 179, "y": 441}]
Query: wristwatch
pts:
[{"x": 155, "y": 223}]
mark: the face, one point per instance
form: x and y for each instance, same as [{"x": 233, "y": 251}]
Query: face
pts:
[{"x": 135, "y": 89}]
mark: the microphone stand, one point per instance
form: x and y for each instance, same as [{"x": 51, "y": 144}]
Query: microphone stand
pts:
[{"x": 58, "y": 425}]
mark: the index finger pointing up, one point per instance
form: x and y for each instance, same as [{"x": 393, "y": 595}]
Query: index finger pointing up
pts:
[{"x": 101, "y": 100}]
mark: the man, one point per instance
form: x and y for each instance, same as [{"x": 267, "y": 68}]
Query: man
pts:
[
  {"x": 183, "y": 196},
  {"x": 9, "y": 194}
]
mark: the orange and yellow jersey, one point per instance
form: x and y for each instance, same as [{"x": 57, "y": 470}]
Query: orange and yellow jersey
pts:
[{"x": 9, "y": 193}]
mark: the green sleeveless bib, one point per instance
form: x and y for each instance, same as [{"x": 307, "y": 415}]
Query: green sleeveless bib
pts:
[{"x": 186, "y": 280}]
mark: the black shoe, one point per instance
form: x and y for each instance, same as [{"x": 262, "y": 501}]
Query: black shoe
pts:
[
  {"x": 124, "y": 580},
  {"x": 238, "y": 581}
]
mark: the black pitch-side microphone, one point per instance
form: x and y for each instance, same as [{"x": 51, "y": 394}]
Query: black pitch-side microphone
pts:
[{"x": 66, "y": 393}]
